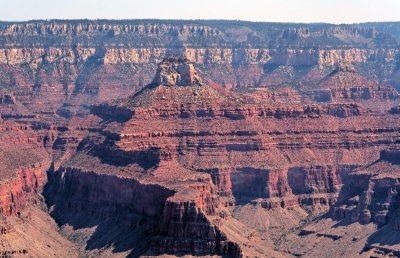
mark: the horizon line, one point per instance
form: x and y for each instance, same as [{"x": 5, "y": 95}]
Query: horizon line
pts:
[{"x": 172, "y": 19}]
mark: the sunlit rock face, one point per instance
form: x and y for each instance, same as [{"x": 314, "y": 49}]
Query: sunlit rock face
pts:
[
  {"x": 48, "y": 63},
  {"x": 177, "y": 71}
]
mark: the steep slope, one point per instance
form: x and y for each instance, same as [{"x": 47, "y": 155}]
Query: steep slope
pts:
[
  {"x": 48, "y": 63},
  {"x": 345, "y": 85},
  {"x": 26, "y": 228},
  {"x": 199, "y": 158},
  {"x": 364, "y": 220}
]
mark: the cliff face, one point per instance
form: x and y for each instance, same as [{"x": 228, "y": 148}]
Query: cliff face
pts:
[
  {"x": 14, "y": 195},
  {"x": 193, "y": 152},
  {"x": 371, "y": 192},
  {"x": 344, "y": 84},
  {"x": 78, "y": 188},
  {"x": 23, "y": 166},
  {"x": 81, "y": 61},
  {"x": 168, "y": 209},
  {"x": 201, "y": 56}
]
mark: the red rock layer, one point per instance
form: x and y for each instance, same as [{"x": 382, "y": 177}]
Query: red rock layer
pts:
[
  {"x": 23, "y": 165},
  {"x": 14, "y": 195},
  {"x": 172, "y": 159},
  {"x": 287, "y": 155},
  {"x": 77, "y": 191},
  {"x": 370, "y": 194},
  {"x": 178, "y": 217},
  {"x": 186, "y": 226},
  {"x": 46, "y": 64}
]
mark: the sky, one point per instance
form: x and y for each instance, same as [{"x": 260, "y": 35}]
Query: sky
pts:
[{"x": 331, "y": 11}]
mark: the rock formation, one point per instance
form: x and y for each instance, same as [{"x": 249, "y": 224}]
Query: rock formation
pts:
[
  {"x": 24, "y": 162},
  {"x": 209, "y": 138},
  {"x": 371, "y": 192},
  {"x": 48, "y": 63},
  {"x": 344, "y": 84},
  {"x": 177, "y": 71},
  {"x": 195, "y": 152}
]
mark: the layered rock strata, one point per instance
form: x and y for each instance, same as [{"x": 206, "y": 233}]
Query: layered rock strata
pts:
[
  {"x": 168, "y": 167},
  {"x": 195, "y": 151},
  {"x": 24, "y": 162},
  {"x": 371, "y": 192},
  {"x": 48, "y": 63}
]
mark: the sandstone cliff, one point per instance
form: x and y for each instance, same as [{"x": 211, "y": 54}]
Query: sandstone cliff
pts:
[
  {"x": 371, "y": 192},
  {"x": 193, "y": 152},
  {"x": 23, "y": 166},
  {"x": 49, "y": 62}
]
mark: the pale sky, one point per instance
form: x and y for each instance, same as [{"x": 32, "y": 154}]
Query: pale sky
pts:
[{"x": 332, "y": 11}]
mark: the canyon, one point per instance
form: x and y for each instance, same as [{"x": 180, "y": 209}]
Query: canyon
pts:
[{"x": 143, "y": 138}]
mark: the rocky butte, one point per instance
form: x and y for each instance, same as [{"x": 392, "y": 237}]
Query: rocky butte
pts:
[{"x": 199, "y": 138}]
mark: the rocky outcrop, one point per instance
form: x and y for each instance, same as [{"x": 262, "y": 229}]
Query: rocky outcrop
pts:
[
  {"x": 15, "y": 194},
  {"x": 370, "y": 194},
  {"x": 284, "y": 156},
  {"x": 225, "y": 138},
  {"x": 75, "y": 191},
  {"x": 344, "y": 84},
  {"x": 23, "y": 165},
  {"x": 186, "y": 226},
  {"x": 51, "y": 63},
  {"x": 178, "y": 218},
  {"x": 175, "y": 71}
]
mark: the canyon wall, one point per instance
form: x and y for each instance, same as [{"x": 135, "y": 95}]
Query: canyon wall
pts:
[
  {"x": 222, "y": 152},
  {"x": 370, "y": 194},
  {"x": 47, "y": 63},
  {"x": 35, "y": 57},
  {"x": 23, "y": 165}
]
